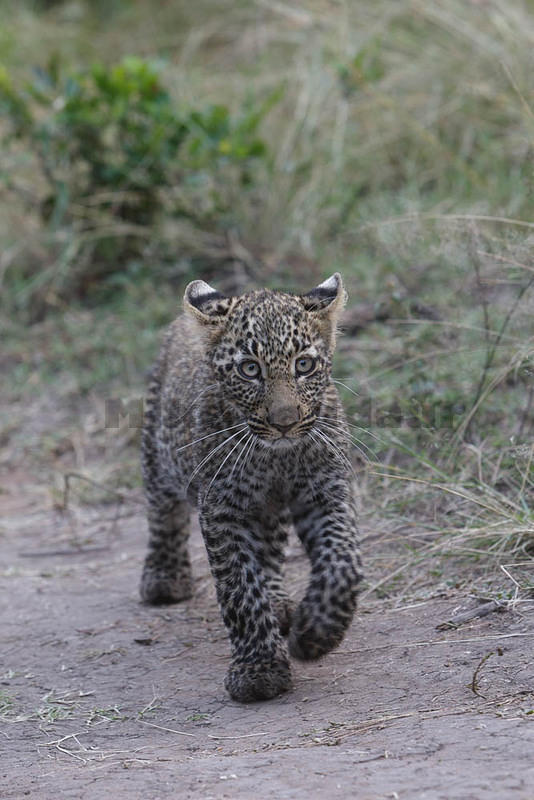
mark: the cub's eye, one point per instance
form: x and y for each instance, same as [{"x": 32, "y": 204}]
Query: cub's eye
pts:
[
  {"x": 305, "y": 365},
  {"x": 249, "y": 370}
]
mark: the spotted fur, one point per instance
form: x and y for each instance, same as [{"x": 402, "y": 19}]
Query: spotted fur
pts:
[{"x": 243, "y": 420}]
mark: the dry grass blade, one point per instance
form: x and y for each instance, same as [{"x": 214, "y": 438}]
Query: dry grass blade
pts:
[
  {"x": 163, "y": 728},
  {"x": 242, "y": 736},
  {"x": 58, "y": 744}
]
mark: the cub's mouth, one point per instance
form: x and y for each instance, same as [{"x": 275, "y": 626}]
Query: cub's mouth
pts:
[
  {"x": 280, "y": 443},
  {"x": 280, "y": 436}
]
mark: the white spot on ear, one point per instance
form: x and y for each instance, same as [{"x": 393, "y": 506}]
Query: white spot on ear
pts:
[
  {"x": 330, "y": 284},
  {"x": 199, "y": 289}
]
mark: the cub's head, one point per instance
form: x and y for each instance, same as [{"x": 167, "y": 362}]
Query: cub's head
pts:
[{"x": 271, "y": 352}]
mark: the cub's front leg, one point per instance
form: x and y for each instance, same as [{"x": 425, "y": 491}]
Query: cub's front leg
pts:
[
  {"x": 260, "y": 665},
  {"x": 325, "y": 522}
]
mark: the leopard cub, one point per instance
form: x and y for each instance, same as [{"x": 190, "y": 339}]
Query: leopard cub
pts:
[{"x": 243, "y": 420}]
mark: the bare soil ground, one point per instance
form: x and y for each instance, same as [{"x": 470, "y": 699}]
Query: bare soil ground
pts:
[{"x": 102, "y": 696}]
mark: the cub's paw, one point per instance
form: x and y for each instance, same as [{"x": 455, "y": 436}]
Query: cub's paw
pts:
[
  {"x": 259, "y": 681},
  {"x": 311, "y": 635},
  {"x": 159, "y": 588}
]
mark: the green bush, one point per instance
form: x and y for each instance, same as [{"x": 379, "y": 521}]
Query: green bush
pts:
[{"x": 116, "y": 154}]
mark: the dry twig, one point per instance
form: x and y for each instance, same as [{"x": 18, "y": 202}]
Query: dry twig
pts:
[
  {"x": 464, "y": 616},
  {"x": 474, "y": 681}
]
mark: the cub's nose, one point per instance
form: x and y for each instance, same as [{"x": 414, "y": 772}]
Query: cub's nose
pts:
[{"x": 284, "y": 418}]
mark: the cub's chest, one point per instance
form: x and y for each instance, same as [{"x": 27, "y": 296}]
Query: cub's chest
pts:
[{"x": 276, "y": 480}]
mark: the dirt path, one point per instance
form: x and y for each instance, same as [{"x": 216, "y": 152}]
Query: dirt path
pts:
[{"x": 101, "y": 696}]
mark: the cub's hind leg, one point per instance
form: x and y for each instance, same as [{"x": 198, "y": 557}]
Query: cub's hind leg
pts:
[{"x": 166, "y": 574}]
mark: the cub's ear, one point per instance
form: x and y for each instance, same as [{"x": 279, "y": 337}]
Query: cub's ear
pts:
[
  {"x": 205, "y": 303},
  {"x": 326, "y": 302},
  {"x": 328, "y": 298}
]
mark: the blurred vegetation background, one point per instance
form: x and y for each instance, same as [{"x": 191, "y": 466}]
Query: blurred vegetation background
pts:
[{"x": 272, "y": 143}]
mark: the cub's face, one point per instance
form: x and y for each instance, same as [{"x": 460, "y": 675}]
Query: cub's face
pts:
[{"x": 271, "y": 353}]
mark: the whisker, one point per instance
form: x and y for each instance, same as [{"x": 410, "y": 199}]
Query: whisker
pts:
[
  {"x": 346, "y": 387},
  {"x": 248, "y": 456},
  {"x": 329, "y": 443},
  {"x": 354, "y": 444},
  {"x": 353, "y": 425},
  {"x": 247, "y": 442},
  {"x": 314, "y": 438},
  {"x": 225, "y": 459},
  {"x": 324, "y": 439},
  {"x": 358, "y": 428},
  {"x": 367, "y": 431},
  {"x": 305, "y": 468},
  {"x": 365, "y": 450},
  {"x": 209, "y": 456},
  {"x": 250, "y": 452},
  {"x": 360, "y": 445},
  {"x": 208, "y": 435}
]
